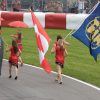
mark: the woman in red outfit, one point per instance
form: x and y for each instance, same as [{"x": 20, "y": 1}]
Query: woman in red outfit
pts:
[
  {"x": 18, "y": 38},
  {"x": 13, "y": 59},
  {"x": 60, "y": 53}
]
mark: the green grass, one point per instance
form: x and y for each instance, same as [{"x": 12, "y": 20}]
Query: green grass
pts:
[{"x": 79, "y": 63}]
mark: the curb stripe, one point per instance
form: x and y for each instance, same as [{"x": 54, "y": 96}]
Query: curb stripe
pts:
[{"x": 77, "y": 80}]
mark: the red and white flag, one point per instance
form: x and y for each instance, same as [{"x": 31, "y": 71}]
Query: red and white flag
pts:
[{"x": 43, "y": 42}]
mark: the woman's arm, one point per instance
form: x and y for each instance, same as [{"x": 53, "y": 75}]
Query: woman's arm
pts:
[
  {"x": 66, "y": 53},
  {"x": 18, "y": 53},
  {"x": 8, "y": 48},
  {"x": 66, "y": 43},
  {"x": 14, "y": 35},
  {"x": 53, "y": 48}
]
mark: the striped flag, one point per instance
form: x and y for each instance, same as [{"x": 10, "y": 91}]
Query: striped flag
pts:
[{"x": 43, "y": 42}]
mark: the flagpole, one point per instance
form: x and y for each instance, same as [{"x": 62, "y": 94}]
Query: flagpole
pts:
[
  {"x": 92, "y": 8},
  {"x": 69, "y": 34}
]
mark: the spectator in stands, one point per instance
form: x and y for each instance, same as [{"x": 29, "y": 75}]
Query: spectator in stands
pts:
[
  {"x": 80, "y": 6},
  {"x": 51, "y": 6},
  {"x": 46, "y": 8},
  {"x": 59, "y": 7},
  {"x": 3, "y": 5},
  {"x": 68, "y": 3},
  {"x": 16, "y": 5},
  {"x": 54, "y": 6},
  {"x": 32, "y": 7}
]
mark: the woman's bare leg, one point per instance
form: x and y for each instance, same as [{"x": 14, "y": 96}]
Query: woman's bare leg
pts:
[
  {"x": 10, "y": 70},
  {"x": 16, "y": 73},
  {"x": 20, "y": 60},
  {"x": 59, "y": 73}
]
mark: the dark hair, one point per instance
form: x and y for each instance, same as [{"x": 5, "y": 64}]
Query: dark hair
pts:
[
  {"x": 0, "y": 27},
  {"x": 60, "y": 43},
  {"x": 15, "y": 47},
  {"x": 59, "y": 37},
  {"x": 19, "y": 35}
]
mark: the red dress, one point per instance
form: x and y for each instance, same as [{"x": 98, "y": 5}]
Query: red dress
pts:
[
  {"x": 59, "y": 54},
  {"x": 13, "y": 59}
]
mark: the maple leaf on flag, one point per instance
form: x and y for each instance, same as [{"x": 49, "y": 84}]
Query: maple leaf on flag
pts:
[{"x": 43, "y": 41}]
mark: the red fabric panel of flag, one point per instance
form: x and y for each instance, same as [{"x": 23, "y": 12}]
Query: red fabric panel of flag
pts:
[{"x": 43, "y": 41}]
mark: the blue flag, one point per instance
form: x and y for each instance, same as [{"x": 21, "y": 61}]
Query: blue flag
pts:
[{"x": 89, "y": 32}]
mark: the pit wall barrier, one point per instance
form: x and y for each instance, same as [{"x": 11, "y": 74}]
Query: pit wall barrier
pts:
[{"x": 48, "y": 20}]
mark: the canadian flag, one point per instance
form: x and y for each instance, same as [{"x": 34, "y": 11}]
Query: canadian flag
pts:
[{"x": 43, "y": 42}]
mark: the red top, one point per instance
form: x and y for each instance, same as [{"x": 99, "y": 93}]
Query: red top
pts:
[
  {"x": 13, "y": 57},
  {"x": 59, "y": 54}
]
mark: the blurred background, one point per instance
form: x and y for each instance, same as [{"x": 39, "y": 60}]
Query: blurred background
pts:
[{"x": 57, "y": 6}]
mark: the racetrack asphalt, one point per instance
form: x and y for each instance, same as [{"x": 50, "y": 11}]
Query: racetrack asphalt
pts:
[{"x": 35, "y": 84}]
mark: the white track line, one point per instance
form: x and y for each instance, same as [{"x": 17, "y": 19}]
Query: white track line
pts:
[{"x": 88, "y": 84}]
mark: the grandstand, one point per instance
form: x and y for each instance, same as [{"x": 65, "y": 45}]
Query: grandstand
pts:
[{"x": 52, "y": 5}]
